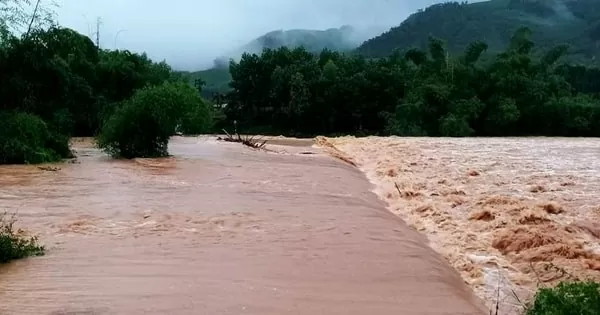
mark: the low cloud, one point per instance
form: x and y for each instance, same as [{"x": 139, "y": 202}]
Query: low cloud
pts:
[{"x": 190, "y": 34}]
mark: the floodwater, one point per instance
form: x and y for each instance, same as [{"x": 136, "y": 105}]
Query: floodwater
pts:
[
  {"x": 510, "y": 214},
  {"x": 218, "y": 229}
]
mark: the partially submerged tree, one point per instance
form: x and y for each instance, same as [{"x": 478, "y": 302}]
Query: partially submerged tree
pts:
[
  {"x": 14, "y": 246},
  {"x": 142, "y": 125}
]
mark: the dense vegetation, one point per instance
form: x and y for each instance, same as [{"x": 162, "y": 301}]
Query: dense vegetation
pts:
[
  {"x": 217, "y": 78},
  {"x": 156, "y": 112},
  {"x": 432, "y": 93},
  {"x": 14, "y": 246},
  {"x": 214, "y": 81},
  {"x": 582, "y": 298},
  {"x": 56, "y": 83},
  {"x": 553, "y": 22}
]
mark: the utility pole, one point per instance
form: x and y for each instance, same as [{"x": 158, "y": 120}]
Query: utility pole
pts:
[{"x": 98, "y": 22}]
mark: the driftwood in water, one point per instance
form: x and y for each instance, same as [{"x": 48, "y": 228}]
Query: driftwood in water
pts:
[{"x": 247, "y": 140}]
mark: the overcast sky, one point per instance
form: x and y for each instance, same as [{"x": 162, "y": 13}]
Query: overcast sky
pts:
[{"x": 189, "y": 34}]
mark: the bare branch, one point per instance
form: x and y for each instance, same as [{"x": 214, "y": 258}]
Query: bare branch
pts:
[{"x": 35, "y": 11}]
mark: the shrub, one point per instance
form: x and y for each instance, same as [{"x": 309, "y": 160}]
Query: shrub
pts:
[
  {"x": 576, "y": 298},
  {"x": 14, "y": 246},
  {"x": 26, "y": 139},
  {"x": 142, "y": 125}
]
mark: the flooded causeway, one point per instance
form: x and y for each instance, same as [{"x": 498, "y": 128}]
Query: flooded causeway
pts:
[{"x": 218, "y": 229}]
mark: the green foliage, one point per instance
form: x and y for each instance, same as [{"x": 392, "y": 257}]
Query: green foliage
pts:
[
  {"x": 216, "y": 81},
  {"x": 217, "y": 78},
  {"x": 142, "y": 125},
  {"x": 121, "y": 73},
  {"x": 581, "y": 298},
  {"x": 198, "y": 115},
  {"x": 14, "y": 246},
  {"x": 417, "y": 93},
  {"x": 60, "y": 70},
  {"x": 56, "y": 83},
  {"x": 553, "y": 23},
  {"x": 294, "y": 92},
  {"x": 26, "y": 138}
]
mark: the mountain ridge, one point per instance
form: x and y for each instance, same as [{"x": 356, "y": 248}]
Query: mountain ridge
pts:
[
  {"x": 344, "y": 39},
  {"x": 552, "y": 22}
]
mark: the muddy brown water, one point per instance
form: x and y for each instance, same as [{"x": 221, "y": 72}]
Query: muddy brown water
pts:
[
  {"x": 510, "y": 214},
  {"x": 218, "y": 229}
]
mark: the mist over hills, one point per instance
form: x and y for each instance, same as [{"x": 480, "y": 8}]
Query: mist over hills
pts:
[
  {"x": 344, "y": 39},
  {"x": 552, "y": 22}
]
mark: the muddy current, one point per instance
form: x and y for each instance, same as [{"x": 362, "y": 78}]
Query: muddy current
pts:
[
  {"x": 510, "y": 214},
  {"x": 218, "y": 229}
]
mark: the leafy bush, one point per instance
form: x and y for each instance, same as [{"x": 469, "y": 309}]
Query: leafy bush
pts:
[
  {"x": 142, "y": 125},
  {"x": 198, "y": 114},
  {"x": 27, "y": 139},
  {"x": 14, "y": 246},
  {"x": 577, "y": 298}
]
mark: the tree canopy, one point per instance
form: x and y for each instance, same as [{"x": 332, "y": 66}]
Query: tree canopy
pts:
[
  {"x": 142, "y": 125},
  {"x": 553, "y": 22},
  {"x": 217, "y": 78},
  {"x": 428, "y": 92},
  {"x": 56, "y": 83}
]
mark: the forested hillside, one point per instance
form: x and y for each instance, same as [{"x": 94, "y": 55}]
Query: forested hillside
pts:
[
  {"x": 417, "y": 92},
  {"x": 553, "y": 22},
  {"x": 344, "y": 38},
  {"x": 56, "y": 83},
  {"x": 216, "y": 79}
]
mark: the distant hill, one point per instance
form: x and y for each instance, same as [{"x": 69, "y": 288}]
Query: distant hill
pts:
[
  {"x": 216, "y": 80},
  {"x": 345, "y": 38},
  {"x": 553, "y": 22},
  {"x": 340, "y": 39}
]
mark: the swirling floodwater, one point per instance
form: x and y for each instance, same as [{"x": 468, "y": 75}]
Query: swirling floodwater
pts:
[
  {"x": 510, "y": 214},
  {"x": 218, "y": 228}
]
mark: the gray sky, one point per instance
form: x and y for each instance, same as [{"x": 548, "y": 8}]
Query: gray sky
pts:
[{"x": 189, "y": 34}]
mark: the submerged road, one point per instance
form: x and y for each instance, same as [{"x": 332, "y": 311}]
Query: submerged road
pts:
[{"x": 218, "y": 229}]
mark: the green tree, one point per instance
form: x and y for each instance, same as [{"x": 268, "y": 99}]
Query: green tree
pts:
[
  {"x": 59, "y": 84},
  {"x": 26, "y": 139},
  {"x": 582, "y": 298},
  {"x": 142, "y": 125}
]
